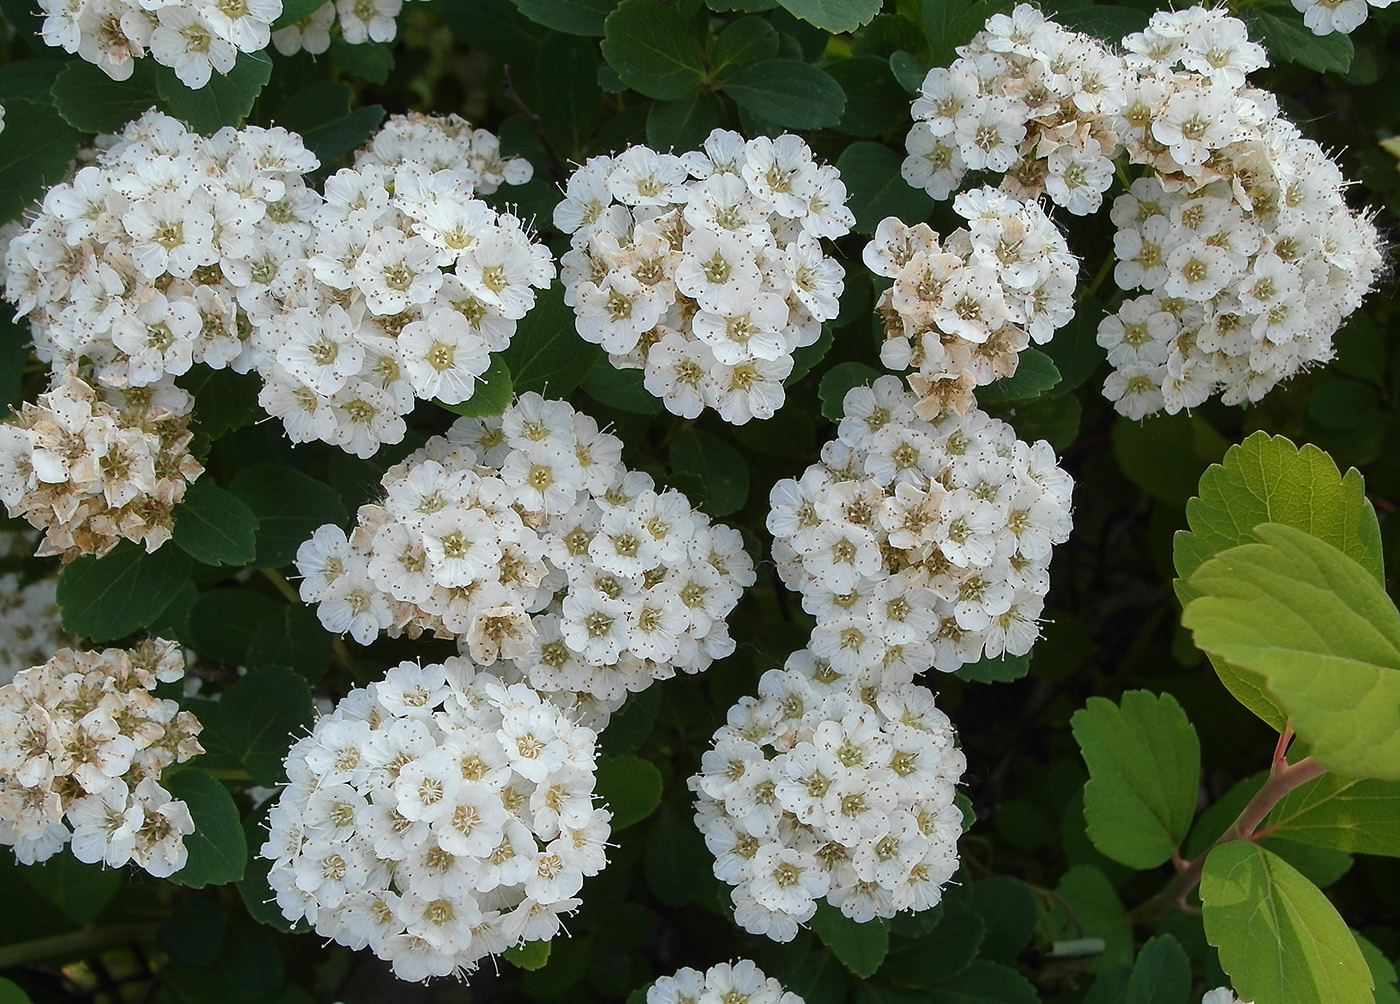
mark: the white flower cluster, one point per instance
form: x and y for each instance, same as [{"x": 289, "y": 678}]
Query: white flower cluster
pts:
[
  {"x": 83, "y": 740},
  {"x": 739, "y": 982},
  {"x": 30, "y": 625},
  {"x": 960, "y": 311},
  {"x": 1221, "y": 995},
  {"x": 175, "y": 249},
  {"x": 1240, "y": 238},
  {"x": 1326, "y": 16},
  {"x": 1026, "y": 98},
  {"x": 437, "y": 817},
  {"x": 525, "y": 538},
  {"x": 917, "y": 543},
  {"x": 91, "y": 467},
  {"x": 359, "y": 20},
  {"x": 820, "y": 789},
  {"x": 705, "y": 270}
]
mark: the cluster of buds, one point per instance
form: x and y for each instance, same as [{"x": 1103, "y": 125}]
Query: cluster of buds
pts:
[{"x": 83, "y": 742}]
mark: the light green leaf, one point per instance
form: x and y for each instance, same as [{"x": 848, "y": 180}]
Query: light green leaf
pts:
[
  {"x": 985, "y": 983},
  {"x": 788, "y": 92},
  {"x": 650, "y": 46},
  {"x": 720, "y": 468},
  {"x": 92, "y": 102},
  {"x": 574, "y": 17},
  {"x": 289, "y": 507},
  {"x": 1144, "y": 764},
  {"x": 837, "y": 381},
  {"x": 491, "y": 393},
  {"x": 256, "y": 721},
  {"x": 1162, "y": 973},
  {"x": 12, "y": 993},
  {"x": 870, "y": 172},
  {"x": 1035, "y": 375},
  {"x": 630, "y": 788},
  {"x": 531, "y": 955},
  {"x": 215, "y": 527},
  {"x": 1280, "y": 940},
  {"x": 36, "y": 150},
  {"x": 1361, "y": 816},
  {"x": 1288, "y": 40},
  {"x": 218, "y": 850},
  {"x": 835, "y": 16},
  {"x": 107, "y": 598},
  {"x": 1321, "y": 631},
  {"x": 224, "y": 101},
  {"x": 860, "y": 947},
  {"x": 546, "y": 354}
]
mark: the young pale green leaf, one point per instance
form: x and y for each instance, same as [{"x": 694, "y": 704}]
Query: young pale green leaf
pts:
[
  {"x": 835, "y": 16},
  {"x": 215, "y": 527},
  {"x": 742, "y": 42},
  {"x": 940, "y": 955},
  {"x": 870, "y": 172},
  {"x": 224, "y": 101},
  {"x": 574, "y": 17},
  {"x": 546, "y": 354},
  {"x": 289, "y": 506},
  {"x": 491, "y": 394},
  {"x": 92, "y": 102},
  {"x": 650, "y": 46},
  {"x": 1279, "y": 938},
  {"x": 860, "y": 947},
  {"x": 36, "y": 150},
  {"x": 837, "y": 381},
  {"x": 1288, "y": 40},
  {"x": 630, "y": 788},
  {"x": 788, "y": 93},
  {"x": 1036, "y": 375},
  {"x": 1321, "y": 631},
  {"x": 218, "y": 849},
  {"x": 720, "y": 468},
  {"x": 1162, "y": 973},
  {"x": 1348, "y": 814},
  {"x": 984, "y": 983},
  {"x": 1144, "y": 764},
  {"x": 531, "y": 955},
  {"x": 107, "y": 598},
  {"x": 257, "y": 720}
]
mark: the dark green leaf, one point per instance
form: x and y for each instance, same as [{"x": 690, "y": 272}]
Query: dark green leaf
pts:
[
  {"x": 1164, "y": 455},
  {"x": 837, "y": 381},
  {"x": 1087, "y": 906},
  {"x": 620, "y": 389},
  {"x": 576, "y": 17},
  {"x": 835, "y": 16},
  {"x": 217, "y": 849},
  {"x": 331, "y": 139},
  {"x": 1054, "y": 418},
  {"x": 719, "y": 466},
  {"x": 871, "y": 174},
  {"x": 193, "y": 934},
  {"x": 222, "y": 622},
  {"x": 289, "y": 507},
  {"x": 224, "y": 101},
  {"x": 223, "y": 400},
  {"x": 808, "y": 356},
  {"x": 650, "y": 46},
  {"x": 939, "y": 956},
  {"x": 676, "y": 864},
  {"x": 1279, "y": 27},
  {"x": 1009, "y": 909},
  {"x": 1107, "y": 22},
  {"x": 36, "y": 150},
  {"x": 860, "y": 947},
  {"x": 12, "y": 993},
  {"x": 215, "y": 527},
  {"x": 951, "y": 23},
  {"x": 632, "y": 723},
  {"x": 682, "y": 124},
  {"x": 630, "y": 787},
  {"x": 996, "y": 669},
  {"x": 547, "y": 355},
  {"x": 372, "y": 61},
  {"x": 91, "y": 101},
  {"x": 788, "y": 93},
  {"x": 1035, "y": 375},
  {"x": 875, "y": 101},
  {"x": 110, "y": 597},
  {"x": 788, "y": 434},
  {"x": 909, "y": 70},
  {"x": 491, "y": 394},
  {"x": 257, "y": 719},
  {"x": 294, "y": 637},
  {"x": 1162, "y": 973},
  {"x": 742, "y": 42},
  {"x": 30, "y": 79},
  {"x": 81, "y": 892},
  {"x": 296, "y": 10},
  {"x": 984, "y": 983}
]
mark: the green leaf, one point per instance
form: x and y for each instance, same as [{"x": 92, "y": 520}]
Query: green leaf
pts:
[
  {"x": 1281, "y": 30},
  {"x": 682, "y": 124},
  {"x": 193, "y": 934},
  {"x": 215, "y": 527},
  {"x": 984, "y": 983},
  {"x": 92, "y": 102},
  {"x": 1165, "y": 454},
  {"x": 630, "y": 787},
  {"x": 719, "y": 466},
  {"x": 1361, "y": 816},
  {"x": 632, "y": 723},
  {"x": 909, "y": 70},
  {"x": 806, "y": 357},
  {"x": 30, "y": 79},
  {"x": 1162, "y": 973},
  {"x": 1279, "y": 938},
  {"x": 1035, "y": 375},
  {"x": 939, "y": 956},
  {"x": 788, "y": 93},
  {"x": 1144, "y": 764},
  {"x": 491, "y": 394},
  {"x": 789, "y": 433},
  {"x": 12, "y": 993},
  {"x": 223, "y": 400},
  {"x": 80, "y": 891},
  {"x": 995, "y": 669},
  {"x": 875, "y": 101},
  {"x": 36, "y": 150},
  {"x": 742, "y": 42},
  {"x": 222, "y": 622},
  {"x": 1321, "y": 631},
  {"x": 1087, "y": 906},
  {"x": 531, "y": 955},
  {"x": 951, "y": 23},
  {"x": 1107, "y": 22},
  {"x": 218, "y": 851},
  {"x": 340, "y": 136},
  {"x": 620, "y": 389},
  {"x": 256, "y": 721},
  {"x": 837, "y": 381},
  {"x": 1009, "y": 911},
  {"x": 1054, "y": 418},
  {"x": 292, "y": 637},
  {"x": 574, "y": 17},
  {"x": 372, "y": 61},
  {"x": 546, "y": 354},
  {"x": 870, "y": 172},
  {"x": 835, "y": 16},
  {"x": 110, "y": 597},
  {"x": 860, "y": 947},
  {"x": 650, "y": 46},
  {"x": 675, "y": 864},
  {"x": 224, "y": 101},
  {"x": 296, "y": 10},
  {"x": 289, "y": 507}
]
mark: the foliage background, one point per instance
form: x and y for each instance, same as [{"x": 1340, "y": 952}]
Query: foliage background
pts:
[{"x": 561, "y": 80}]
